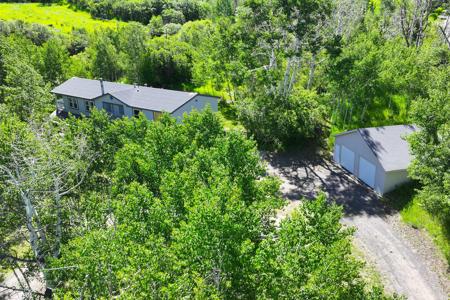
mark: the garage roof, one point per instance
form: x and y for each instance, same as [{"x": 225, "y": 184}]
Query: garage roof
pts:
[{"x": 388, "y": 144}]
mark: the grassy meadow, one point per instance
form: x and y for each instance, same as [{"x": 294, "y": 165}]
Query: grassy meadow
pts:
[{"x": 60, "y": 17}]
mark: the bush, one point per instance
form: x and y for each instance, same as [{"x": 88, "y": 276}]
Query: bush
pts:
[
  {"x": 277, "y": 121},
  {"x": 37, "y": 33},
  {"x": 142, "y": 11},
  {"x": 167, "y": 63},
  {"x": 172, "y": 16}
]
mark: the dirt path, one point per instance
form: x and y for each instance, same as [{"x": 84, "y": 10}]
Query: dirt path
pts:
[
  {"x": 416, "y": 271},
  {"x": 12, "y": 281}
]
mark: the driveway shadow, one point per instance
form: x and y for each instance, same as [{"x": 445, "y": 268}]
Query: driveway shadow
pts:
[{"x": 309, "y": 170}]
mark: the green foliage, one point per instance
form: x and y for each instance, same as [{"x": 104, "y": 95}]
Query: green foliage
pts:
[
  {"x": 185, "y": 210},
  {"x": 106, "y": 61},
  {"x": 35, "y": 179},
  {"x": 78, "y": 41},
  {"x": 431, "y": 145},
  {"x": 172, "y": 16},
  {"x": 55, "y": 59},
  {"x": 310, "y": 257},
  {"x": 156, "y": 26},
  {"x": 60, "y": 17},
  {"x": 143, "y": 10},
  {"x": 167, "y": 63},
  {"x": 310, "y": 14},
  {"x": 277, "y": 120},
  {"x": 23, "y": 91},
  {"x": 37, "y": 33},
  {"x": 191, "y": 215},
  {"x": 132, "y": 41},
  {"x": 224, "y": 8},
  {"x": 10, "y": 130},
  {"x": 387, "y": 68},
  {"x": 113, "y": 264}
]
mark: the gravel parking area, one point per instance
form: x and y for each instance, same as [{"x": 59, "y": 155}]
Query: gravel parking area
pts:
[{"x": 406, "y": 259}]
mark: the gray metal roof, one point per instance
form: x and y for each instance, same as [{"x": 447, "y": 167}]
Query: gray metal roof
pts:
[
  {"x": 389, "y": 145},
  {"x": 139, "y": 97}
]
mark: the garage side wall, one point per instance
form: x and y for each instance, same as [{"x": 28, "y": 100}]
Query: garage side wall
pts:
[
  {"x": 355, "y": 143},
  {"x": 394, "y": 179}
]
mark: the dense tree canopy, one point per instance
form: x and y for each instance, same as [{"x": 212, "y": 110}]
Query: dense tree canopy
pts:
[
  {"x": 164, "y": 209},
  {"x": 167, "y": 63}
]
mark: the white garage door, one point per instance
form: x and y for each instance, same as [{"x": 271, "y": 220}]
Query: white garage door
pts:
[
  {"x": 337, "y": 150},
  {"x": 367, "y": 172},
  {"x": 347, "y": 158}
]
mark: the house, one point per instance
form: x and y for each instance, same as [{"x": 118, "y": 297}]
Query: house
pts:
[
  {"x": 378, "y": 156},
  {"x": 79, "y": 96}
]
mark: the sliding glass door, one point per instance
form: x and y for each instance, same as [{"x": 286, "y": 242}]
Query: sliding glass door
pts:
[{"x": 115, "y": 110}]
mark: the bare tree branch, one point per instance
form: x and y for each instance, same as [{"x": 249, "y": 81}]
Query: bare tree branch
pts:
[{"x": 14, "y": 258}]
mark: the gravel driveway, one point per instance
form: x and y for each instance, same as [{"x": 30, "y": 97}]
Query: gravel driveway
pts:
[{"x": 407, "y": 261}]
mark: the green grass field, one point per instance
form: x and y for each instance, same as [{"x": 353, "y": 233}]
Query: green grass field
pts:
[
  {"x": 60, "y": 17},
  {"x": 407, "y": 203}
]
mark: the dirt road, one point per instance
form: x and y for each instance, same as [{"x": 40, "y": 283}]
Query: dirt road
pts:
[{"x": 412, "y": 269}]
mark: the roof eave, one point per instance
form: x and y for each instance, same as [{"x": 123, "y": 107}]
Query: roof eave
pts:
[
  {"x": 206, "y": 95},
  {"x": 395, "y": 170},
  {"x": 76, "y": 96},
  {"x": 346, "y": 132}
]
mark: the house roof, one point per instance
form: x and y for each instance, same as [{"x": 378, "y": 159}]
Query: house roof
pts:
[
  {"x": 388, "y": 144},
  {"x": 138, "y": 97}
]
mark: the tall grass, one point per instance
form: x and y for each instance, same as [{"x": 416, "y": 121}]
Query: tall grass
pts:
[{"x": 60, "y": 17}]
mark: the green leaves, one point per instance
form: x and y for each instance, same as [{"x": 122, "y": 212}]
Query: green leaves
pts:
[
  {"x": 190, "y": 214},
  {"x": 277, "y": 120},
  {"x": 167, "y": 63},
  {"x": 108, "y": 263},
  {"x": 26, "y": 96},
  {"x": 107, "y": 62},
  {"x": 55, "y": 60},
  {"x": 431, "y": 145},
  {"x": 310, "y": 257}
]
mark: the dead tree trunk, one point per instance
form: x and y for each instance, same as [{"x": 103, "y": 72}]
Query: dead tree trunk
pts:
[{"x": 312, "y": 69}]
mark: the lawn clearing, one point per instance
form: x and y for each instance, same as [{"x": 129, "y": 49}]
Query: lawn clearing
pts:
[{"x": 60, "y": 17}]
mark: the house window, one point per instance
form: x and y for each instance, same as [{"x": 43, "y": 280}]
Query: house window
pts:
[
  {"x": 136, "y": 112},
  {"x": 113, "y": 109},
  {"x": 73, "y": 103},
  {"x": 89, "y": 105},
  {"x": 157, "y": 115}
]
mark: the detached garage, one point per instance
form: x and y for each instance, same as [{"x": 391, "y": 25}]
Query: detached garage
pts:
[{"x": 379, "y": 156}]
